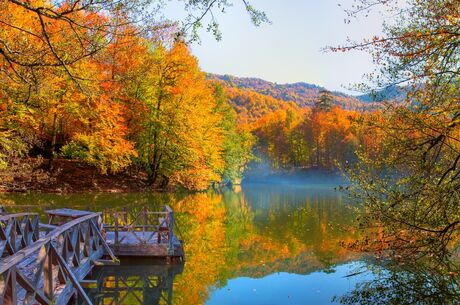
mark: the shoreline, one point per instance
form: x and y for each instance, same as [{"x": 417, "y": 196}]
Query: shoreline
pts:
[{"x": 71, "y": 176}]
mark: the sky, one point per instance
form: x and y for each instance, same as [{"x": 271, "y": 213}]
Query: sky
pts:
[{"x": 290, "y": 49}]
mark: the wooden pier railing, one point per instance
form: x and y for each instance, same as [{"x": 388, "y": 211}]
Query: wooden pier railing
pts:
[
  {"x": 17, "y": 231},
  {"x": 53, "y": 265},
  {"x": 142, "y": 231}
]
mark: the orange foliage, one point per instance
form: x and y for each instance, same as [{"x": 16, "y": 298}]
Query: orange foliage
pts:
[{"x": 311, "y": 138}]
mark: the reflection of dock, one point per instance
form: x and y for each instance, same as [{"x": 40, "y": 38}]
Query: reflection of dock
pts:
[
  {"x": 46, "y": 263},
  {"x": 134, "y": 284}
]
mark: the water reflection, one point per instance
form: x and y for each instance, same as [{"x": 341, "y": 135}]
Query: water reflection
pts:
[
  {"x": 134, "y": 282},
  {"x": 416, "y": 283},
  {"x": 256, "y": 232},
  {"x": 289, "y": 288}
]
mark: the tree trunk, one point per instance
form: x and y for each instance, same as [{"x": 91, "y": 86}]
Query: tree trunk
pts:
[{"x": 53, "y": 142}]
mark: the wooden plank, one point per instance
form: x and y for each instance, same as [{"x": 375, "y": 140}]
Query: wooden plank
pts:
[
  {"x": 61, "y": 229},
  {"x": 47, "y": 226},
  {"x": 104, "y": 243},
  {"x": 80, "y": 273},
  {"x": 69, "y": 213},
  {"x": 117, "y": 240},
  {"x": 153, "y": 250},
  {"x": 40, "y": 262},
  {"x": 168, "y": 209},
  {"x": 48, "y": 281},
  {"x": 84, "y": 228},
  {"x": 7, "y": 217},
  {"x": 10, "y": 290},
  {"x": 73, "y": 279},
  {"x": 30, "y": 287}
]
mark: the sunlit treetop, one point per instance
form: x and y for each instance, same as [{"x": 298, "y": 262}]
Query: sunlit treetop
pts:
[{"x": 59, "y": 33}]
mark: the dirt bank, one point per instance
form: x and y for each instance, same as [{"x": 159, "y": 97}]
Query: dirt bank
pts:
[{"x": 66, "y": 176}]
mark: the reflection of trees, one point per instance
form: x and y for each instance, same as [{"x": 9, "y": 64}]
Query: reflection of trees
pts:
[
  {"x": 39, "y": 202},
  {"x": 201, "y": 216},
  {"x": 254, "y": 232},
  {"x": 406, "y": 286},
  {"x": 316, "y": 219}
]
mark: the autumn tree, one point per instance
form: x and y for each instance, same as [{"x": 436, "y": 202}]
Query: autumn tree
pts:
[
  {"x": 411, "y": 190},
  {"x": 48, "y": 50},
  {"x": 180, "y": 138},
  {"x": 88, "y": 27}
]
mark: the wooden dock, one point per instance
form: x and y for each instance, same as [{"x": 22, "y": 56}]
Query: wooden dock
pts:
[
  {"x": 143, "y": 233},
  {"x": 47, "y": 263}
]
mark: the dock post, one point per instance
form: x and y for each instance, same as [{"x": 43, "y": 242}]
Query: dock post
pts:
[{"x": 116, "y": 229}]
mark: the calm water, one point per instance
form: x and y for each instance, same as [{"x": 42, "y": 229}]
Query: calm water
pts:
[{"x": 259, "y": 244}]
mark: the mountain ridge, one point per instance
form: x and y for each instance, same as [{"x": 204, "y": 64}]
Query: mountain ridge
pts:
[{"x": 301, "y": 93}]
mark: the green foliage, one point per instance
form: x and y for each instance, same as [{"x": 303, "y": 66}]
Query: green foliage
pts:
[
  {"x": 66, "y": 82},
  {"x": 325, "y": 101},
  {"x": 182, "y": 132},
  {"x": 410, "y": 185},
  {"x": 92, "y": 150},
  {"x": 12, "y": 136},
  {"x": 404, "y": 286},
  {"x": 238, "y": 142},
  {"x": 75, "y": 150},
  {"x": 10, "y": 146},
  {"x": 306, "y": 139}
]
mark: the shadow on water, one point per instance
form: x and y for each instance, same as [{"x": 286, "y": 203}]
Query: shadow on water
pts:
[{"x": 135, "y": 282}]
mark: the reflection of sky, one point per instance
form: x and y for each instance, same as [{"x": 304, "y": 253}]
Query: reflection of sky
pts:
[
  {"x": 289, "y": 50},
  {"x": 285, "y": 288},
  {"x": 263, "y": 196}
]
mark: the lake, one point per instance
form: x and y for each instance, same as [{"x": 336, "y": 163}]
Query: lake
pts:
[{"x": 255, "y": 244}]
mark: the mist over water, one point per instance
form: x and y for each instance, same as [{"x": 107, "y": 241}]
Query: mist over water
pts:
[{"x": 307, "y": 177}]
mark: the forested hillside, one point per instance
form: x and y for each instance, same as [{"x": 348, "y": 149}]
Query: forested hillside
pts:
[
  {"x": 298, "y": 127},
  {"x": 252, "y": 106},
  {"x": 302, "y": 94}
]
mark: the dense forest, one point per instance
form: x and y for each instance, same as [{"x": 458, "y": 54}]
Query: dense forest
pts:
[
  {"x": 304, "y": 94},
  {"x": 312, "y": 130},
  {"x": 150, "y": 109},
  {"x": 140, "y": 104},
  {"x": 135, "y": 101}
]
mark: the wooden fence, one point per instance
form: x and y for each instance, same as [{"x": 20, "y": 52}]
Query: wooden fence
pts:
[
  {"x": 53, "y": 265},
  {"x": 140, "y": 227},
  {"x": 17, "y": 231}
]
